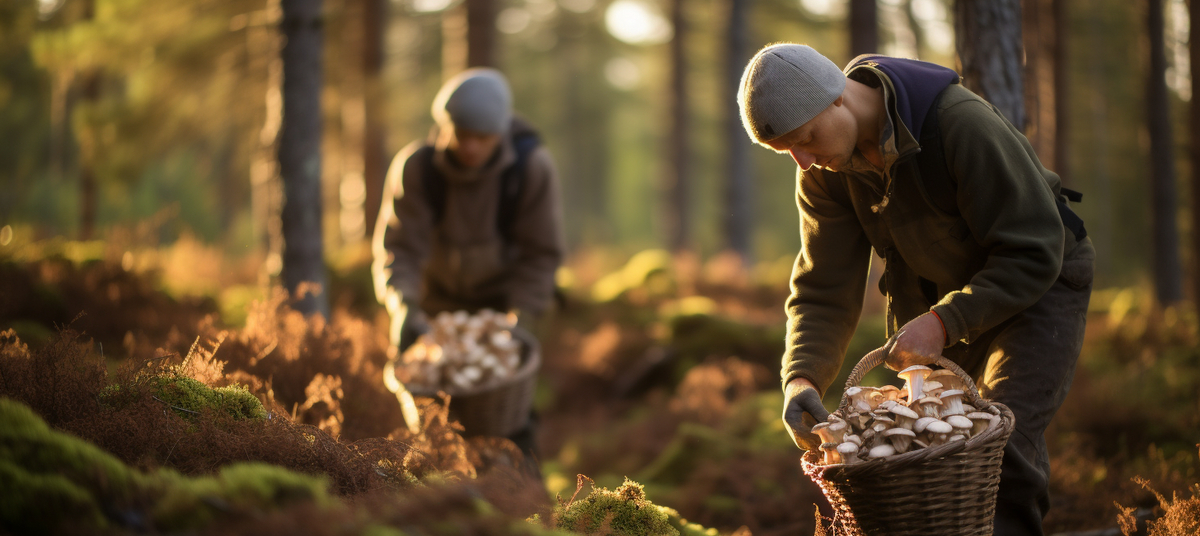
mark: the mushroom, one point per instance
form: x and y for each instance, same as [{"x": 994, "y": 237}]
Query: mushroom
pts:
[
  {"x": 980, "y": 421},
  {"x": 848, "y": 452},
  {"x": 881, "y": 451},
  {"x": 831, "y": 453},
  {"x": 883, "y": 422},
  {"x": 922, "y": 423},
  {"x": 938, "y": 432},
  {"x": 956, "y": 437},
  {"x": 830, "y": 432},
  {"x": 962, "y": 425},
  {"x": 900, "y": 439},
  {"x": 930, "y": 406},
  {"x": 952, "y": 399},
  {"x": 904, "y": 416},
  {"x": 914, "y": 378},
  {"x": 858, "y": 398},
  {"x": 890, "y": 392},
  {"x": 948, "y": 378},
  {"x": 932, "y": 388},
  {"x": 858, "y": 419},
  {"x": 852, "y": 438}
]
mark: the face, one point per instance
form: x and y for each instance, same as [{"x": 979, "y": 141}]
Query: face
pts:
[
  {"x": 826, "y": 141},
  {"x": 471, "y": 148}
]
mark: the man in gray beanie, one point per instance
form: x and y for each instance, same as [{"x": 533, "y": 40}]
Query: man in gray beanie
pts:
[
  {"x": 985, "y": 264},
  {"x": 470, "y": 219}
]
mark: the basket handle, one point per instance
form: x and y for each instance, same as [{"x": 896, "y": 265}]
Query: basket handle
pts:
[{"x": 875, "y": 357}]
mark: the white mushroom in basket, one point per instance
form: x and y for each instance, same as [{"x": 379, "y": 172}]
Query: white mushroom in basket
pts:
[
  {"x": 952, "y": 400},
  {"x": 932, "y": 388},
  {"x": 980, "y": 421},
  {"x": 889, "y": 392},
  {"x": 830, "y": 432},
  {"x": 948, "y": 378},
  {"x": 922, "y": 423},
  {"x": 962, "y": 425},
  {"x": 904, "y": 416},
  {"x": 831, "y": 453},
  {"x": 848, "y": 452},
  {"x": 938, "y": 432},
  {"x": 930, "y": 406},
  {"x": 900, "y": 439},
  {"x": 914, "y": 378},
  {"x": 881, "y": 451}
]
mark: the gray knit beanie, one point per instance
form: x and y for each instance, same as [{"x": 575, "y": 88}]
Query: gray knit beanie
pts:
[
  {"x": 785, "y": 86},
  {"x": 476, "y": 99}
]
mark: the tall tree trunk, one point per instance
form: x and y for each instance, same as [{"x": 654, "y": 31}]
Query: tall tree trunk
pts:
[
  {"x": 1167, "y": 274},
  {"x": 481, "y": 33},
  {"x": 1194, "y": 49},
  {"x": 864, "y": 27},
  {"x": 739, "y": 221},
  {"x": 1062, "y": 110},
  {"x": 989, "y": 47},
  {"x": 677, "y": 190},
  {"x": 89, "y": 94},
  {"x": 1100, "y": 229},
  {"x": 374, "y": 109},
  {"x": 1040, "y": 100},
  {"x": 300, "y": 155}
]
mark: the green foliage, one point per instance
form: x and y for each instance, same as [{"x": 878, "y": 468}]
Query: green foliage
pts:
[
  {"x": 624, "y": 511},
  {"x": 190, "y": 398}
]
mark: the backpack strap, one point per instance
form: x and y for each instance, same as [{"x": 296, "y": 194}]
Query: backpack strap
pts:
[
  {"x": 942, "y": 190},
  {"x": 512, "y": 183}
]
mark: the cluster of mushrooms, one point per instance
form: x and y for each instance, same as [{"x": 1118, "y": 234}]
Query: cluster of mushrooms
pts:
[
  {"x": 462, "y": 351},
  {"x": 885, "y": 421}
]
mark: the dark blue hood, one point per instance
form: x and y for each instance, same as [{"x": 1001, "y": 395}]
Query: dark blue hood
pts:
[{"x": 917, "y": 85}]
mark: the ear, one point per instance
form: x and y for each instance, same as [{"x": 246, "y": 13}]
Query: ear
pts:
[{"x": 838, "y": 101}]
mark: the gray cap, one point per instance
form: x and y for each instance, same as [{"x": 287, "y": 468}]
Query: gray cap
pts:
[
  {"x": 785, "y": 86},
  {"x": 476, "y": 99}
]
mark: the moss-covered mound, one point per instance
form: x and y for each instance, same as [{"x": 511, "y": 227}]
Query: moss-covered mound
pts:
[
  {"x": 624, "y": 511},
  {"x": 189, "y": 397},
  {"x": 53, "y": 481}
]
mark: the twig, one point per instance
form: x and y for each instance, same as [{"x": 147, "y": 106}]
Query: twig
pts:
[{"x": 175, "y": 407}]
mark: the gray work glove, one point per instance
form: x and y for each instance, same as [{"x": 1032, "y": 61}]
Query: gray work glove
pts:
[
  {"x": 802, "y": 409},
  {"x": 414, "y": 325}
]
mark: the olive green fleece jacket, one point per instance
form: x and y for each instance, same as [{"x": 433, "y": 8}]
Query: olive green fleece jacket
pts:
[
  {"x": 463, "y": 261},
  {"x": 998, "y": 256}
]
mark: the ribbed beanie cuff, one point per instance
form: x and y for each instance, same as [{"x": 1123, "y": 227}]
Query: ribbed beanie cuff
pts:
[
  {"x": 785, "y": 86},
  {"x": 476, "y": 99}
]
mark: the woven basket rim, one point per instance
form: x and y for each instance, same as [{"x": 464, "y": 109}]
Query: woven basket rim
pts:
[{"x": 531, "y": 361}]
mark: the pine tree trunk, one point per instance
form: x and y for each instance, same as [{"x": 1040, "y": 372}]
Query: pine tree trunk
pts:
[
  {"x": 989, "y": 46},
  {"x": 374, "y": 110},
  {"x": 1167, "y": 274},
  {"x": 864, "y": 27},
  {"x": 481, "y": 33},
  {"x": 739, "y": 222},
  {"x": 1040, "y": 102},
  {"x": 677, "y": 190},
  {"x": 1062, "y": 108},
  {"x": 300, "y": 156},
  {"x": 1194, "y": 49}
]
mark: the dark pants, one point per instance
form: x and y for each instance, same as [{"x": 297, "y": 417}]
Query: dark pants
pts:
[{"x": 1027, "y": 364}]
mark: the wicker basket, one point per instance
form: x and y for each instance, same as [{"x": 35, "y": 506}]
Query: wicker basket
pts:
[
  {"x": 498, "y": 409},
  {"x": 947, "y": 490}
]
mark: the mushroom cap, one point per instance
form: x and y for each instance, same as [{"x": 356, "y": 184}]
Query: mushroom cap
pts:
[
  {"x": 939, "y": 427},
  {"x": 931, "y": 400},
  {"x": 914, "y": 370},
  {"x": 957, "y": 437},
  {"x": 902, "y": 410},
  {"x": 950, "y": 392},
  {"x": 959, "y": 422},
  {"x": 899, "y": 431},
  {"x": 852, "y": 438},
  {"x": 847, "y": 448},
  {"x": 880, "y": 451},
  {"x": 922, "y": 423},
  {"x": 851, "y": 392}
]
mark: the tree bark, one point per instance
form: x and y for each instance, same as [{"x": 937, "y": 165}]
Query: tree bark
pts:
[
  {"x": 481, "y": 33},
  {"x": 864, "y": 27},
  {"x": 989, "y": 47},
  {"x": 1194, "y": 60},
  {"x": 1167, "y": 274},
  {"x": 739, "y": 221},
  {"x": 374, "y": 110},
  {"x": 1040, "y": 99},
  {"x": 300, "y": 156},
  {"x": 1062, "y": 110},
  {"x": 677, "y": 189}
]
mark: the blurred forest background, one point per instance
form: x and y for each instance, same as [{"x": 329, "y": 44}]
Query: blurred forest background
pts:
[{"x": 145, "y": 148}]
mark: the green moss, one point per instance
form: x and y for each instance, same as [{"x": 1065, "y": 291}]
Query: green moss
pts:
[
  {"x": 189, "y": 397},
  {"x": 624, "y": 511},
  {"x": 48, "y": 479}
]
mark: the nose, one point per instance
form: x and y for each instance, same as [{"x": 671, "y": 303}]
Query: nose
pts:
[{"x": 802, "y": 158}]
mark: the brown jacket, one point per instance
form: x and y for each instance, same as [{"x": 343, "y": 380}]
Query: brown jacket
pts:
[{"x": 463, "y": 261}]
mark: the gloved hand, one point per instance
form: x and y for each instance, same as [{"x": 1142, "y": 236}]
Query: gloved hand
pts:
[
  {"x": 802, "y": 409},
  {"x": 414, "y": 324},
  {"x": 919, "y": 342}
]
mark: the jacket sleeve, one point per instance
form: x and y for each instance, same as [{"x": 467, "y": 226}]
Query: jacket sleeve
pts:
[
  {"x": 537, "y": 236},
  {"x": 828, "y": 282},
  {"x": 1009, "y": 206},
  {"x": 403, "y": 232}
]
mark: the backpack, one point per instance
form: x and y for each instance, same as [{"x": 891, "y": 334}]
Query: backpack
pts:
[
  {"x": 931, "y": 166},
  {"x": 512, "y": 183}
]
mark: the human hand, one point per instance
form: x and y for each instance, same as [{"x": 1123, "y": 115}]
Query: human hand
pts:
[
  {"x": 919, "y": 342},
  {"x": 802, "y": 409}
]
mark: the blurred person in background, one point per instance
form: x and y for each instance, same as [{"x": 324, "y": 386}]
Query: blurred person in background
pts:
[
  {"x": 985, "y": 264},
  {"x": 471, "y": 217}
]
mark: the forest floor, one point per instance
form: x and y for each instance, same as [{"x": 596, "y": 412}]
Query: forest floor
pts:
[{"x": 663, "y": 370}]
